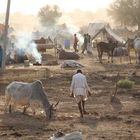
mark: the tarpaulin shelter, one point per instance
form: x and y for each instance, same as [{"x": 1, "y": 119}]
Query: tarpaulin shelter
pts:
[{"x": 94, "y": 29}]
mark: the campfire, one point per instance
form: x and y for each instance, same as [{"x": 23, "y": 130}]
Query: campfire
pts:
[{"x": 37, "y": 64}]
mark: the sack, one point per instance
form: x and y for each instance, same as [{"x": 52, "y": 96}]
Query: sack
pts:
[{"x": 89, "y": 48}]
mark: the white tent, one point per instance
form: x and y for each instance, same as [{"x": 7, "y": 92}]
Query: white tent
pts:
[{"x": 94, "y": 29}]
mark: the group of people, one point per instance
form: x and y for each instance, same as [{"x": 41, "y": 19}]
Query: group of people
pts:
[{"x": 87, "y": 41}]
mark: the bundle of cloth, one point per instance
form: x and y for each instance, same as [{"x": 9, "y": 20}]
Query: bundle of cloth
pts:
[
  {"x": 89, "y": 49},
  {"x": 71, "y": 64},
  {"x": 71, "y": 136}
]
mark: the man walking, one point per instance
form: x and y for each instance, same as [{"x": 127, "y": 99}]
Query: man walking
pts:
[{"x": 80, "y": 90}]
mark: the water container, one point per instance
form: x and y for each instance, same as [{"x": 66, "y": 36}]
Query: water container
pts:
[
  {"x": 67, "y": 44},
  {"x": 26, "y": 63}
]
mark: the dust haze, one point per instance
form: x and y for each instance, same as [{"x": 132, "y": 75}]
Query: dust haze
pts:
[{"x": 78, "y": 18}]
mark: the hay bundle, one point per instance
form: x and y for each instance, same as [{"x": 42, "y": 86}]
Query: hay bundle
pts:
[{"x": 68, "y": 55}]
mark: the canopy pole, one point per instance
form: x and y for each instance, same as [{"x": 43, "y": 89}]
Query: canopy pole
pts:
[{"x": 5, "y": 40}]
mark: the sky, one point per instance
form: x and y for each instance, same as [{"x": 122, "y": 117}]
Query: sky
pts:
[{"x": 33, "y": 6}]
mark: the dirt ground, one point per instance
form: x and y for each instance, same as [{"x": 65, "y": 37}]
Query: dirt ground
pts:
[{"x": 117, "y": 120}]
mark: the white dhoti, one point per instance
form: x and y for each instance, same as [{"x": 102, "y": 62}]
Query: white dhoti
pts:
[{"x": 80, "y": 94}]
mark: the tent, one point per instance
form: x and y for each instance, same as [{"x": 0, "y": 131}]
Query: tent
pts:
[{"x": 94, "y": 29}]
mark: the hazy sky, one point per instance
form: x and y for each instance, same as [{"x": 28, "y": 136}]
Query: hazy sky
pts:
[{"x": 33, "y": 6}]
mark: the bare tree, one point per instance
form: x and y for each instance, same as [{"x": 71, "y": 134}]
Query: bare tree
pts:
[
  {"x": 49, "y": 15},
  {"x": 126, "y": 12}
]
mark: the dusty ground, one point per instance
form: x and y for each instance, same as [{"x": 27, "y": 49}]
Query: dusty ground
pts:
[{"x": 118, "y": 120}]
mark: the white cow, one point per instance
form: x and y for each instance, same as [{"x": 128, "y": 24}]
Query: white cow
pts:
[
  {"x": 72, "y": 136},
  {"x": 27, "y": 94}
]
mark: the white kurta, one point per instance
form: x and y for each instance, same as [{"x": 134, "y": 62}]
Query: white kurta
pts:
[{"x": 79, "y": 85}]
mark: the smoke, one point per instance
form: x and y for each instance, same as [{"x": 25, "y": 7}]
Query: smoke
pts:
[
  {"x": 32, "y": 53},
  {"x": 75, "y": 30},
  {"x": 25, "y": 45},
  {"x": 62, "y": 32}
]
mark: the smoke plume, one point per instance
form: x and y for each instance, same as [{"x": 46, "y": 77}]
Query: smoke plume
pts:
[{"x": 24, "y": 44}]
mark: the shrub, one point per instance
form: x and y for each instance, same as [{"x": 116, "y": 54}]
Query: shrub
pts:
[{"x": 125, "y": 83}]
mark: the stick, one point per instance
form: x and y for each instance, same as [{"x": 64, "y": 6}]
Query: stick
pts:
[{"x": 116, "y": 87}]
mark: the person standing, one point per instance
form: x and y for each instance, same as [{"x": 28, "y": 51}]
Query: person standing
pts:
[
  {"x": 85, "y": 43},
  {"x": 88, "y": 38},
  {"x": 75, "y": 43},
  {"x": 80, "y": 91}
]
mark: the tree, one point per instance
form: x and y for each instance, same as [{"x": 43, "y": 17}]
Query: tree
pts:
[
  {"x": 49, "y": 15},
  {"x": 126, "y": 12}
]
